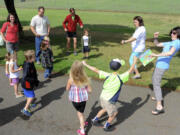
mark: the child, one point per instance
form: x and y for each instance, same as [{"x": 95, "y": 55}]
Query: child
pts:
[
  {"x": 78, "y": 86},
  {"x": 7, "y": 59},
  {"x": 111, "y": 90},
  {"x": 14, "y": 74},
  {"x": 86, "y": 40},
  {"x": 29, "y": 81},
  {"x": 46, "y": 59}
]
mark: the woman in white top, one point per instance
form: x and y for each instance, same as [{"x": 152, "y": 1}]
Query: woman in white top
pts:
[
  {"x": 137, "y": 43},
  {"x": 14, "y": 74}
]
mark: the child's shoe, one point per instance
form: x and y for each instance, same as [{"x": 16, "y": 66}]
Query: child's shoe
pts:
[
  {"x": 80, "y": 133},
  {"x": 26, "y": 112}
]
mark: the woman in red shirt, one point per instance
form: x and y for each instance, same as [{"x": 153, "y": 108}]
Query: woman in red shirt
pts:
[
  {"x": 70, "y": 24},
  {"x": 9, "y": 33}
]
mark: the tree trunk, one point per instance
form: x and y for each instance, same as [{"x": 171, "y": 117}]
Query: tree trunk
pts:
[{"x": 11, "y": 9}]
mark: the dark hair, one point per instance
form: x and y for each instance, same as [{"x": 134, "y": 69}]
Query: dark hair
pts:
[
  {"x": 177, "y": 29},
  {"x": 41, "y": 7},
  {"x": 114, "y": 65},
  {"x": 139, "y": 19},
  {"x": 71, "y": 9},
  {"x": 8, "y": 18}
]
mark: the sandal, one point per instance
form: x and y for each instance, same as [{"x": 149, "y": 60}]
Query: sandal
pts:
[{"x": 157, "y": 112}]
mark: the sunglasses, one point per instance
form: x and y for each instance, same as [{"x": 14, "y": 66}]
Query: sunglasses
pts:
[{"x": 174, "y": 33}]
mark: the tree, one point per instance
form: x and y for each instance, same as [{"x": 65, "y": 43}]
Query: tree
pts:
[{"x": 11, "y": 9}]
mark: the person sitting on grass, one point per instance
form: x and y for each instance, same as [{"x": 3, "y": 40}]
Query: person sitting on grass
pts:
[
  {"x": 29, "y": 81},
  {"x": 111, "y": 90}
]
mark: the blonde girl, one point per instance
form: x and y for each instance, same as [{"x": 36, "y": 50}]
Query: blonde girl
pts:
[
  {"x": 78, "y": 86},
  {"x": 14, "y": 74}
]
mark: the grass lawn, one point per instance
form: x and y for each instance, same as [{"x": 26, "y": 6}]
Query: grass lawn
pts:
[{"x": 107, "y": 30}]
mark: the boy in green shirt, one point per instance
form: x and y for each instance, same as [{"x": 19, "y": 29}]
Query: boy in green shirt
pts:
[{"x": 111, "y": 90}]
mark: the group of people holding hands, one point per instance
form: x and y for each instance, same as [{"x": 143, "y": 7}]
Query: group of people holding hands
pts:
[{"x": 78, "y": 84}]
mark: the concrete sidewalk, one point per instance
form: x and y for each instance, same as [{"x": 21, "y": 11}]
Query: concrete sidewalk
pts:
[{"x": 55, "y": 115}]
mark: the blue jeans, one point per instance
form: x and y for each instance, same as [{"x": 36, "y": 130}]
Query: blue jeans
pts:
[
  {"x": 131, "y": 58},
  {"x": 48, "y": 72},
  {"x": 38, "y": 41}
]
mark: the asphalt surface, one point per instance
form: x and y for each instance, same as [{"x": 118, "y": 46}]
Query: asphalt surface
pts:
[{"x": 55, "y": 115}]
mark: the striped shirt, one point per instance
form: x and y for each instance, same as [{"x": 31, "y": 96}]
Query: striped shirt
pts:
[{"x": 78, "y": 94}]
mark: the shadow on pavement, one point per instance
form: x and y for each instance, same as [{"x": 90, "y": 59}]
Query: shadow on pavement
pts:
[{"x": 50, "y": 97}]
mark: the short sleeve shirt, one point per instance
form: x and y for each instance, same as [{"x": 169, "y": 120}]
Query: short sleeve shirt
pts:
[
  {"x": 11, "y": 32},
  {"x": 85, "y": 40},
  {"x": 163, "y": 62},
  {"x": 112, "y": 83},
  {"x": 140, "y": 35},
  {"x": 40, "y": 24}
]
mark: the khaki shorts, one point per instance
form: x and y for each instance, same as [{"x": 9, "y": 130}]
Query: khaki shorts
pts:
[{"x": 108, "y": 106}]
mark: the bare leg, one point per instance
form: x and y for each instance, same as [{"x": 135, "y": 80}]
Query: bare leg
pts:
[
  {"x": 101, "y": 112},
  {"x": 68, "y": 43},
  {"x": 81, "y": 119},
  {"x": 29, "y": 101},
  {"x": 16, "y": 89},
  {"x": 110, "y": 119},
  {"x": 75, "y": 43}
]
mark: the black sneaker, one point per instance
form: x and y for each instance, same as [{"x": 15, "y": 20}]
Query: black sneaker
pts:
[
  {"x": 96, "y": 123},
  {"x": 109, "y": 128}
]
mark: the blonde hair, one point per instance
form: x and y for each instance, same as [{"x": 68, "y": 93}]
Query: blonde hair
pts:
[
  {"x": 7, "y": 57},
  {"x": 29, "y": 54},
  {"x": 13, "y": 57},
  {"x": 78, "y": 75}
]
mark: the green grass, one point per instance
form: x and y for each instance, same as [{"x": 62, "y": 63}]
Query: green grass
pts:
[
  {"x": 147, "y": 6},
  {"x": 107, "y": 30}
]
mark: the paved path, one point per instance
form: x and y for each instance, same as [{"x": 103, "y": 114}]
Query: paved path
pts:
[{"x": 55, "y": 115}]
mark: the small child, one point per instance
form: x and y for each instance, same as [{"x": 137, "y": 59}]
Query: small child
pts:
[
  {"x": 46, "y": 59},
  {"x": 14, "y": 74},
  {"x": 29, "y": 81},
  {"x": 111, "y": 90},
  {"x": 86, "y": 41},
  {"x": 7, "y": 59},
  {"x": 78, "y": 87}
]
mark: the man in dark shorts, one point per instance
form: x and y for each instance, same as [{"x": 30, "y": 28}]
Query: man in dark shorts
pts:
[{"x": 70, "y": 24}]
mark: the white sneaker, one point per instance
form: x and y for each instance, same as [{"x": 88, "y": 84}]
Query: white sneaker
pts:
[{"x": 136, "y": 77}]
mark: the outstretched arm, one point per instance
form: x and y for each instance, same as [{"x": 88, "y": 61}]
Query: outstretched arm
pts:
[
  {"x": 172, "y": 50},
  {"x": 156, "y": 42},
  {"x": 131, "y": 39},
  {"x": 91, "y": 67}
]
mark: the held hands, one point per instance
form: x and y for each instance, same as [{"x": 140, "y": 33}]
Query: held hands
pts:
[
  {"x": 156, "y": 34},
  {"x": 20, "y": 68},
  {"x": 153, "y": 55}
]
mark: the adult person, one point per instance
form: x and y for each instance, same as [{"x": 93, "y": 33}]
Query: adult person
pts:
[
  {"x": 10, "y": 35},
  {"x": 162, "y": 64},
  {"x": 137, "y": 43},
  {"x": 40, "y": 26},
  {"x": 70, "y": 24}
]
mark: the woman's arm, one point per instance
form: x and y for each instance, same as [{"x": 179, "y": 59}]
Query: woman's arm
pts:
[
  {"x": 156, "y": 42},
  {"x": 68, "y": 86},
  {"x": 173, "y": 49},
  {"x": 91, "y": 67},
  {"x": 131, "y": 39}
]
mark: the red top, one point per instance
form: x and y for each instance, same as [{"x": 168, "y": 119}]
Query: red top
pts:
[
  {"x": 71, "y": 23},
  {"x": 11, "y": 32}
]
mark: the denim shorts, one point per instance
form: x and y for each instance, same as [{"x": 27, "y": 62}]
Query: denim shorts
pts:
[{"x": 11, "y": 47}]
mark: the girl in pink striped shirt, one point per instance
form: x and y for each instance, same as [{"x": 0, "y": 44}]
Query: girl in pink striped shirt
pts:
[{"x": 78, "y": 86}]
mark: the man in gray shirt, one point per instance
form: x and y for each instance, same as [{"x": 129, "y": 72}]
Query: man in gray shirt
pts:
[{"x": 40, "y": 26}]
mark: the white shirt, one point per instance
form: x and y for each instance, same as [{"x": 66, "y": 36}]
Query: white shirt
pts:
[
  {"x": 86, "y": 40},
  {"x": 40, "y": 24},
  {"x": 139, "y": 44},
  {"x": 16, "y": 74}
]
